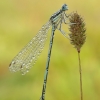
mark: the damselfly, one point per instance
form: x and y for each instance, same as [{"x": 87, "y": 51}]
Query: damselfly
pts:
[{"x": 27, "y": 57}]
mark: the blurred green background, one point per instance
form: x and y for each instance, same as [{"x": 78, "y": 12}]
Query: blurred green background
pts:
[{"x": 20, "y": 20}]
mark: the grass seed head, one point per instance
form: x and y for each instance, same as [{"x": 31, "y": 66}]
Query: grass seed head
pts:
[{"x": 77, "y": 30}]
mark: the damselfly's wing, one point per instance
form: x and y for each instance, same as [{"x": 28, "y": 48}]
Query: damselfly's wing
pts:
[{"x": 27, "y": 57}]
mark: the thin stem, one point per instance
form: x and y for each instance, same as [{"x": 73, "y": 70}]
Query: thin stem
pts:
[
  {"x": 47, "y": 64},
  {"x": 80, "y": 71}
]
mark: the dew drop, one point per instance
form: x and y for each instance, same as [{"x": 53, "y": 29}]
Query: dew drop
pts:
[
  {"x": 39, "y": 31},
  {"x": 26, "y": 66},
  {"x": 33, "y": 57},
  {"x": 20, "y": 53},
  {"x": 23, "y": 64},
  {"x": 33, "y": 38},
  {"x": 23, "y": 73},
  {"x": 27, "y": 71},
  {"x": 13, "y": 62},
  {"x": 31, "y": 42},
  {"x": 14, "y": 70},
  {"x": 29, "y": 63},
  {"x": 30, "y": 60}
]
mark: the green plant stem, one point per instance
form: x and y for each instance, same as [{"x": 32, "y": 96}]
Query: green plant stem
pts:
[{"x": 80, "y": 71}]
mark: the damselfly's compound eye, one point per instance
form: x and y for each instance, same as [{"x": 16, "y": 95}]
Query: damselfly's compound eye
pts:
[{"x": 64, "y": 7}]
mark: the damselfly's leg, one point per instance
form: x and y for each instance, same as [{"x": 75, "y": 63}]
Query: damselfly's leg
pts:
[
  {"x": 66, "y": 18},
  {"x": 60, "y": 29},
  {"x": 63, "y": 20}
]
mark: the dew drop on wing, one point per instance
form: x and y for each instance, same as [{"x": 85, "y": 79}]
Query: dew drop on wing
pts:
[
  {"x": 27, "y": 71},
  {"x": 20, "y": 53},
  {"x": 23, "y": 73},
  {"x": 27, "y": 67},
  {"x": 30, "y": 60},
  {"x": 31, "y": 42},
  {"x": 33, "y": 57}
]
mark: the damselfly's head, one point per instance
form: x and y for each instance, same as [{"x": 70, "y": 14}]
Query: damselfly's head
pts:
[{"x": 64, "y": 7}]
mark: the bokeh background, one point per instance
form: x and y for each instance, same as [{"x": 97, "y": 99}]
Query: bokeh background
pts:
[{"x": 20, "y": 20}]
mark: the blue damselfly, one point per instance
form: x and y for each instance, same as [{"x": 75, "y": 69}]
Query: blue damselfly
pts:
[{"x": 27, "y": 57}]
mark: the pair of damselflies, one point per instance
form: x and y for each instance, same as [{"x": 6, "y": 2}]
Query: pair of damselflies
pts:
[{"x": 27, "y": 57}]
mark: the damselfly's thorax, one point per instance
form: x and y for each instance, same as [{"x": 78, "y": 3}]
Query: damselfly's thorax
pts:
[{"x": 57, "y": 15}]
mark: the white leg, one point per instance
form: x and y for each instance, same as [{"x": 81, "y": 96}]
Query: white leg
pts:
[{"x": 63, "y": 31}]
